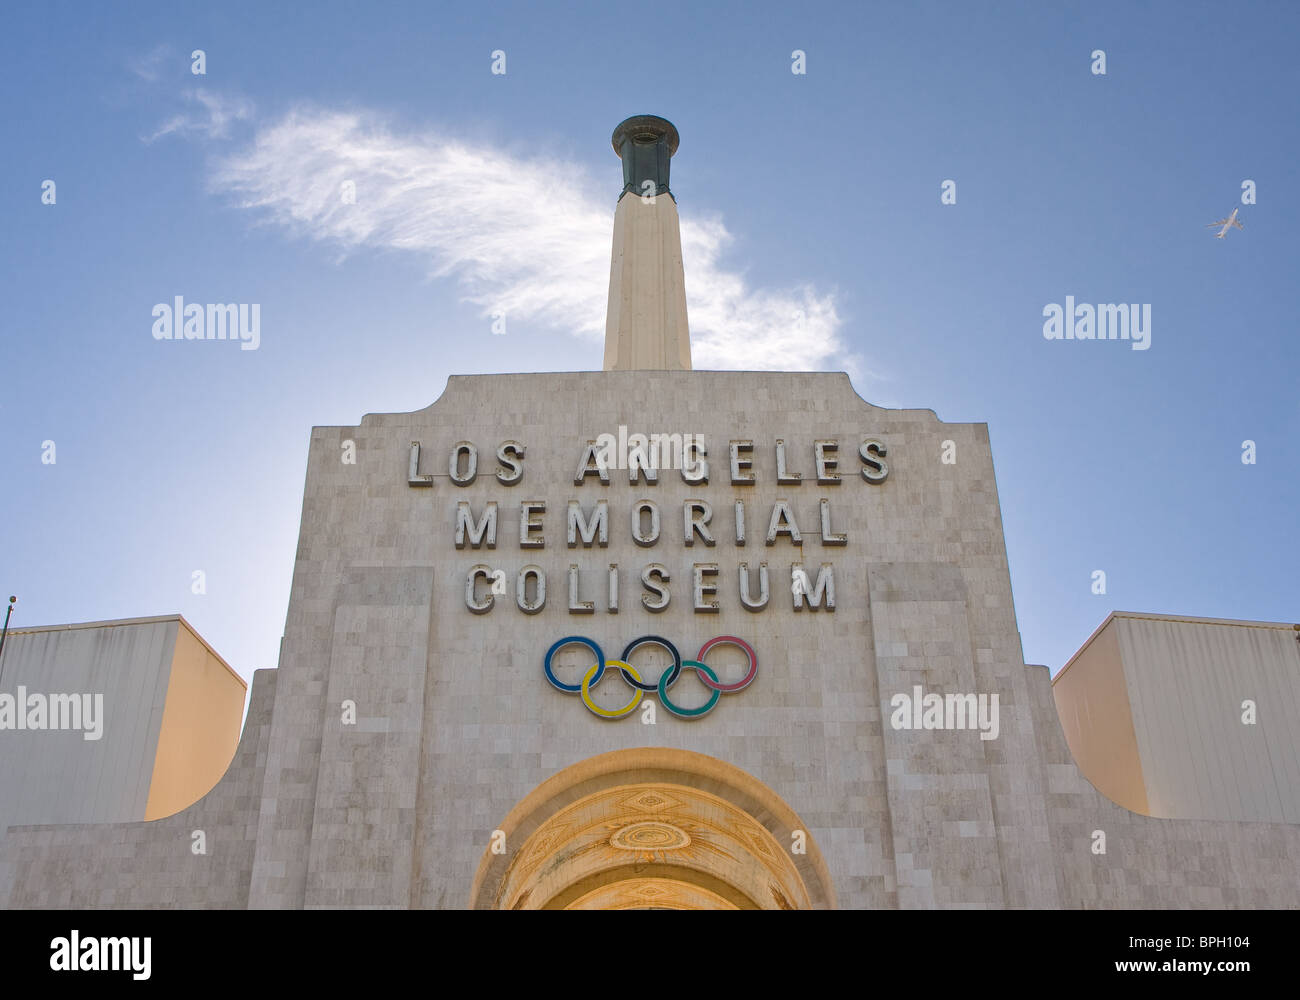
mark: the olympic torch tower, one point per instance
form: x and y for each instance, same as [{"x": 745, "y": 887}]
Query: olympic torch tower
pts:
[{"x": 645, "y": 325}]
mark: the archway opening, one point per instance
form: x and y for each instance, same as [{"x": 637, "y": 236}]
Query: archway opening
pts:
[{"x": 653, "y": 828}]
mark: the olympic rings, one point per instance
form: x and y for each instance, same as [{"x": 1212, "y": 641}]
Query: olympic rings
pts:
[
  {"x": 573, "y": 688},
  {"x": 744, "y": 682},
  {"x": 658, "y": 641},
  {"x": 616, "y": 713},
  {"x": 593, "y": 674},
  {"x": 692, "y": 713}
]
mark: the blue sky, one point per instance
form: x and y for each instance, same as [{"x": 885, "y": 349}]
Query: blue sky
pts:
[{"x": 816, "y": 195}]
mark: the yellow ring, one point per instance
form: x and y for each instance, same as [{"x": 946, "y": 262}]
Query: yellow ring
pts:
[{"x": 606, "y": 713}]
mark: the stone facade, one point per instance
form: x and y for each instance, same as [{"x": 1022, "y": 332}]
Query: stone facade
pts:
[{"x": 455, "y": 724}]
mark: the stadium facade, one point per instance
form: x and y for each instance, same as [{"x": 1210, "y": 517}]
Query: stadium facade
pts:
[{"x": 524, "y": 669}]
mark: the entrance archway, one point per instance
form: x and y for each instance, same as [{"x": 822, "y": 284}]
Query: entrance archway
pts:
[{"x": 653, "y": 827}]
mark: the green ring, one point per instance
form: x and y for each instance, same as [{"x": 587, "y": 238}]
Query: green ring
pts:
[{"x": 689, "y": 713}]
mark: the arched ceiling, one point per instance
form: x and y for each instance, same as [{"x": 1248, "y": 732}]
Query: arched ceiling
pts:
[
  {"x": 654, "y": 827},
  {"x": 701, "y": 838}
]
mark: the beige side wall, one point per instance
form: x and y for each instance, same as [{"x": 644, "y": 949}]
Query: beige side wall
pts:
[
  {"x": 1093, "y": 702},
  {"x": 1187, "y": 680},
  {"x": 200, "y": 726}
]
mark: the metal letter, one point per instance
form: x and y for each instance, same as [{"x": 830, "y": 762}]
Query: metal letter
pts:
[
  {"x": 471, "y": 599},
  {"x": 453, "y": 464},
  {"x": 782, "y": 523},
  {"x": 505, "y": 451},
  {"x": 829, "y": 537},
  {"x": 738, "y": 476},
  {"x": 704, "y": 590},
  {"x": 577, "y": 607},
  {"x": 782, "y": 476},
  {"x": 412, "y": 472},
  {"x": 658, "y": 604},
  {"x": 641, "y": 459},
  {"x": 695, "y": 467},
  {"x": 521, "y": 590},
  {"x": 823, "y": 591},
  {"x": 826, "y": 463},
  {"x": 693, "y": 524},
  {"x": 594, "y": 460},
  {"x": 465, "y": 522},
  {"x": 528, "y": 524},
  {"x": 579, "y": 525},
  {"x": 645, "y": 541},
  {"x": 764, "y": 594},
  {"x": 876, "y": 470}
]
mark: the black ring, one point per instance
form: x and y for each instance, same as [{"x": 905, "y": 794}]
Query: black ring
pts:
[{"x": 659, "y": 641}]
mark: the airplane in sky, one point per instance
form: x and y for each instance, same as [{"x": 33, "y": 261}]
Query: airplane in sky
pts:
[{"x": 1227, "y": 224}]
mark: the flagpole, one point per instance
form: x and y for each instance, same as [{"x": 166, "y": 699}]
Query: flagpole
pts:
[{"x": 3, "y": 634}]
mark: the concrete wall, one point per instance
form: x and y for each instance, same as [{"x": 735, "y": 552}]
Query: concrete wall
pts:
[
  {"x": 1093, "y": 701},
  {"x": 60, "y": 777},
  {"x": 155, "y": 864},
  {"x": 171, "y": 715},
  {"x": 1150, "y": 863},
  {"x": 200, "y": 725},
  {"x": 456, "y": 724},
  {"x": 1184, "y": 682}
]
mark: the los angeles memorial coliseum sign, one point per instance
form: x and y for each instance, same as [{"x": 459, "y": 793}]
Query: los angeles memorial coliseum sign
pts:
[{"x": 587, "y": 519}]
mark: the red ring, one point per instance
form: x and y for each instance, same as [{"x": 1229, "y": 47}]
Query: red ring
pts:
[{"x": 741, "y": 684}]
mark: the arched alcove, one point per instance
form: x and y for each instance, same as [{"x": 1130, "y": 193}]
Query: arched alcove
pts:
[{"x": 653, "y": 827}]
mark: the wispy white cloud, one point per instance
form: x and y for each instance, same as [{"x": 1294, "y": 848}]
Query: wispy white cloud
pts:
[
  {"x": 210, "y": 118},
  {"x": 530, "y": 236},
  {"x": 149, "y": 67}
]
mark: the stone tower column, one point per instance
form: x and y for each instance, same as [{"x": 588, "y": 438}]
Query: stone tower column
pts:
[{"x": 645, "y": 323}]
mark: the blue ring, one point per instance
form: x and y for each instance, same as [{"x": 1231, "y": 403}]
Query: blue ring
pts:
[
  {"x": 660, "y": 641},
  {"x": 568, "y": 641}
]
